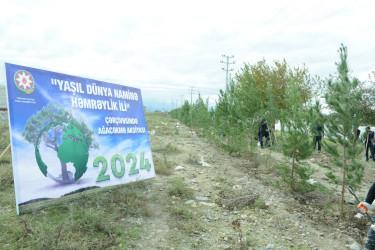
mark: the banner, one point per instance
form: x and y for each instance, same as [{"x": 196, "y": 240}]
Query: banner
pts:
[{"x": 70, "y": 133}]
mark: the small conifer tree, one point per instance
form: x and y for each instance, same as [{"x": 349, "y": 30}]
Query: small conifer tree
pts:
[
  {"x": 343, "y": 99},
  {"x": 296, "y": 138}
]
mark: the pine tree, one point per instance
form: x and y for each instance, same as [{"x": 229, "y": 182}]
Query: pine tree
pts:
[
  {"x": 227, "y": 119},
  {"x": 272, "y": 115},
  {"x": 184, "y": 113},
  {"x": 296, "y": 139},
  {"x": 343, "y": 98},
  {"x": 249, "y": 107}
]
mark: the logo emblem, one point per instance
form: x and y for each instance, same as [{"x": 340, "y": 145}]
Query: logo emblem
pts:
[{"x": 24, "y": 82}]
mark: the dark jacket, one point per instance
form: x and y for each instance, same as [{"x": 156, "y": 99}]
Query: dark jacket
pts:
[
  {"x": 371, "y": 194},
  {"x": 263, "y": 126},
  {"x": 370, "y": 138},
  {"x": 319, "y": 131}
]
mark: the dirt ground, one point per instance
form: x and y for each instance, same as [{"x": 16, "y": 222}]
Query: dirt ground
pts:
[{"x": 239, "y": 202}]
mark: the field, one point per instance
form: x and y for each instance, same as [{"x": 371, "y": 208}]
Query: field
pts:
[{"x": 238, "y": 202}]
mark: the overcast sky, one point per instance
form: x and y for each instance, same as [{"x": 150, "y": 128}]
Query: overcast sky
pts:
[{"x": 166, "y": 48}]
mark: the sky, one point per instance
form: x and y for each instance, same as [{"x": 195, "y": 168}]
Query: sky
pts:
[{"x": 171, "y": 50}]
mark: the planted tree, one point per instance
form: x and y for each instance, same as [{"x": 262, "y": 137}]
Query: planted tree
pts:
[
  {"x": 200, "y": 115},
  {"x": 249, "y": 107},
  {"x": 296, "y": 143},
  {"x": 343, "y": 100},
  {"x": 277, "y": 77},
  {"x": 184, "y": 113},
  {"x": 228, "y": 120}
]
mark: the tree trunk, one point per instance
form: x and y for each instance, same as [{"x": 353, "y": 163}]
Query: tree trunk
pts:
[
  {"x": 268, "y": 160},
  {"x": 343, "y": 181},
  {"x": 282, "y": 130},
  {"x": 292, "y": 174},
  {"x": 342, "y": 192},
  {"x": 64, "y": 172}
]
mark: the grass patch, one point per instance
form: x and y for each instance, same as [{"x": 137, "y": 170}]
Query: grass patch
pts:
[
  {"x": 182, "y": 213},
  {"x": 180, "y": 189},
  {"x": 162, "y": 167},
  {"x": 185, "y": 220},
  {"x": 325, "y": 166},
  {"x": 273, "y": 182},
  {"x": 94, "y": 219},
  {"x": 168, "y": 149},
  {"x": 250, "y": 241},
  {"x": 260, "y": 204},
  {"x": 4, "y": 142},
  {"x": 192, "y": 159},
  {"x": 162, "y": 163},
  {"x": 322, "y": 189},
  {"x": 6, "y": 175}
]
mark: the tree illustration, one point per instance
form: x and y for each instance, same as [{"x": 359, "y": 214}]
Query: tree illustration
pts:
[{"x": 53, "y": 125}]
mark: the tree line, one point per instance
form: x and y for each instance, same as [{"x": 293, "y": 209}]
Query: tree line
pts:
[{"x": 290, "y": 96}]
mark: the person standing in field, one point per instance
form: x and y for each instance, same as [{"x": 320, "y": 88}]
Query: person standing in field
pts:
[
  {"x": 319, "y": 133},
  {"x": 263, "y": 132},
  {"x": 369, "y": 143}
]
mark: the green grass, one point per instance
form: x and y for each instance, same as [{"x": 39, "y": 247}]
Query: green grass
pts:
[
  {"x": 260, "y": 204},
  {"x": 180, "y": 189},
  {"x": 93, "y": 220}
]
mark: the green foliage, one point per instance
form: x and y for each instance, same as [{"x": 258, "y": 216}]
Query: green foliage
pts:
[
  {"x": 182, "y": 213},
  {"x": 296, "y": 143},
  {"x": 4, "y": 135},
  {"x": 258, "y": 90},
  {"x": 315, "y": 116},
  {"x": 250, "y": 240},
  {"x": 277, "y": 77},
  {"x": 235, "y": 116},
  {"x": 180, "y": 189},
  {"x": 184, "y": 113},
  {"x": 367, "y": 102},
  {"x": 260, "y": 204},
  {"x": 164, "y": 166},
  {"x": 272, "y": 113},
  {"x": 197, "y": 115},
  {"x": 299, "y": 179},
  {"x": 6, "y": 176},
  {"x": 343, "y": 100}
]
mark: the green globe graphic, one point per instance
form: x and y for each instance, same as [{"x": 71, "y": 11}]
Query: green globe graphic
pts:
[{"x": 66, "y": 142}]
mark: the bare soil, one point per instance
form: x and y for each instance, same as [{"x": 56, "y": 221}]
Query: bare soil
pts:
[{"x": 239, "y": 202}]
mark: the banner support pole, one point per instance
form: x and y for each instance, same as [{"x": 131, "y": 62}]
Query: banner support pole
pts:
[{"x": 5, "y": 150}]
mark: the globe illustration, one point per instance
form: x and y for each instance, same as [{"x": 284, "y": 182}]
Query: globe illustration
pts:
[{"x": 61, "y": 152}]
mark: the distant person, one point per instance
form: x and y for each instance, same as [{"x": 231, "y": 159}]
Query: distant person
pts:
[
  {"x": 263, "y": 132},
  {"x": 358, "y": 134},
  {"x": 369, "y": 143},
  {"x": 318, "y": 135},
  {"x": 365, "y": 206}
]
